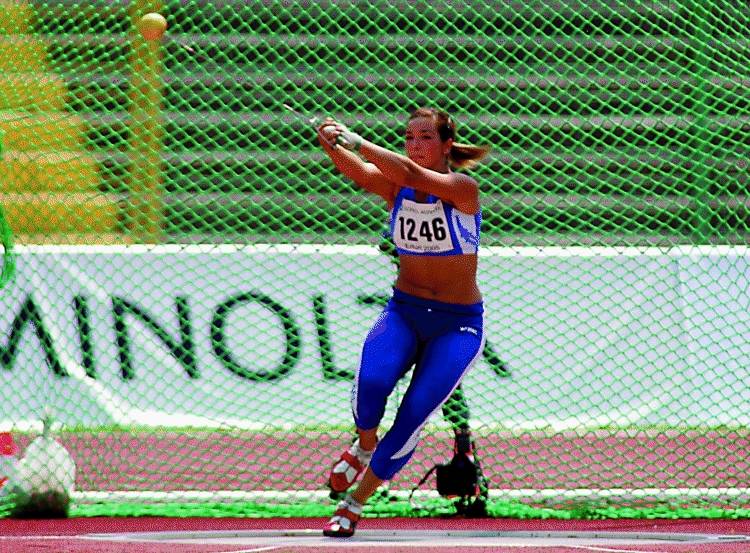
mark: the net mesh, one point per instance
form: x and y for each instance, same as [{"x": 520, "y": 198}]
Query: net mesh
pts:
[{"x": 193, "y": 278}]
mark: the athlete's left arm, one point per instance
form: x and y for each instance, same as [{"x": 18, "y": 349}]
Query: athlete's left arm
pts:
[{"x": 455, "y": 188}]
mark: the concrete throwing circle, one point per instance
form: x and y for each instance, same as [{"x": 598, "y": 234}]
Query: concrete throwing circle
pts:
[{"x": 418, "y": 538}]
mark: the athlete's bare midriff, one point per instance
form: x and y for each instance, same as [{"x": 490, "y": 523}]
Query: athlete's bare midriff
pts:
[{"x": 450, "y": 279}]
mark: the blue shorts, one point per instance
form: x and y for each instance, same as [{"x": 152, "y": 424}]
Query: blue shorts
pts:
[{"x": 442, "y": 340}]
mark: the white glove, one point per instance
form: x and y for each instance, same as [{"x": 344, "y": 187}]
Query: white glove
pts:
[{"x": 349, "y": 140}]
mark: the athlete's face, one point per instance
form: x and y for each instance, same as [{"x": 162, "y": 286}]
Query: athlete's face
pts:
[{"x": 424, "y": 146}]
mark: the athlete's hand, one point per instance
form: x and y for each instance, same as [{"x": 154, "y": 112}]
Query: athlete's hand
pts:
[
  {"x": 348, "y": 139},
  {"x": 327, "y": 132},
  {"x": 337, "y": 133}
]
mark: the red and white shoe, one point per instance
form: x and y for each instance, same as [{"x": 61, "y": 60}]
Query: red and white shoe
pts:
[
  {"x": 344, "y": 520},
  {"x": 348, "y": 468}
]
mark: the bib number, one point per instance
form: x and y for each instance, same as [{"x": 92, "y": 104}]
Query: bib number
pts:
[
  {"x": 422, "y": 228},
  {"x": 428, "y": 230}
]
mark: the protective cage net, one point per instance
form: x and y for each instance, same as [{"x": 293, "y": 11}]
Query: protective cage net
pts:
[{"x": 194, "y": 279}]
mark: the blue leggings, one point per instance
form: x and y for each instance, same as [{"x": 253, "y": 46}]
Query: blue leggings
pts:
[{"x": 443, "y": 340}]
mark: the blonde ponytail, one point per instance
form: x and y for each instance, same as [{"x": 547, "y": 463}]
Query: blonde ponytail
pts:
[{"x": 466, "y": 156}]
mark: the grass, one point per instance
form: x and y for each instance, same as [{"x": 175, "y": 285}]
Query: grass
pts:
[{"x": 437, "y": 508}]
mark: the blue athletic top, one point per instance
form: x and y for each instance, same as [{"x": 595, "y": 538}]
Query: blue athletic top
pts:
[{"x": 432, "y": 227}]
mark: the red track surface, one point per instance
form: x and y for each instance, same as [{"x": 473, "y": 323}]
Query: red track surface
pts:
[
  {"x": 61, "y": 536},
  {"x": 250, "y": 461}
]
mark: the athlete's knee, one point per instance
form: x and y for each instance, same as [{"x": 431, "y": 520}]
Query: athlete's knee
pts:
[
  {"x": 374, "y": 384},
  {"x": 369, "y": 398},
  {"x": 415, "y": 408}
]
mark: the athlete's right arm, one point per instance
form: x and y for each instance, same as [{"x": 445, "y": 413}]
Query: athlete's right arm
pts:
[{"x": 364, "y": 174}]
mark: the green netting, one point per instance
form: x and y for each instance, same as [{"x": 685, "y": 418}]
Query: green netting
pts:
[{"x": 193, "y": 279}]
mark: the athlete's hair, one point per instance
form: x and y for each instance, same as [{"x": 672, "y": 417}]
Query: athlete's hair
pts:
[{"x": 461, "y": 156}]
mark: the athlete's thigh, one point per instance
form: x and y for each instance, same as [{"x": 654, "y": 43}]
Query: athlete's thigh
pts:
[
  {"x": 388, "y": 351},
  {"x": 440, "y": 368}
]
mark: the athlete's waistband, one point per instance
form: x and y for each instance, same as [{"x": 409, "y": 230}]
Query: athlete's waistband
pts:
[{"x": 460, "y": 308}]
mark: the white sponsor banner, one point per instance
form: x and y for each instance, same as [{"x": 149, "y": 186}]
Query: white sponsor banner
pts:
[{"x": 254, "y": 336}]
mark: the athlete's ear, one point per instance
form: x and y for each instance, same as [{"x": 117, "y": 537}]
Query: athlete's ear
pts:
[{"x": 447, "y": 145}]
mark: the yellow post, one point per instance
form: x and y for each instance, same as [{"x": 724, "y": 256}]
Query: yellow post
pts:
[{"x": 144, "y": 211}]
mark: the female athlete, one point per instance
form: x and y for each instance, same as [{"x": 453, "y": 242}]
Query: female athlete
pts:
[{"x": 434, "y": 319}]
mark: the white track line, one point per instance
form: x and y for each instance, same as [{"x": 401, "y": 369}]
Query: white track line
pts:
[
  {"x": 251, "y": 550},
  {"x": 609, "y": 550}
]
